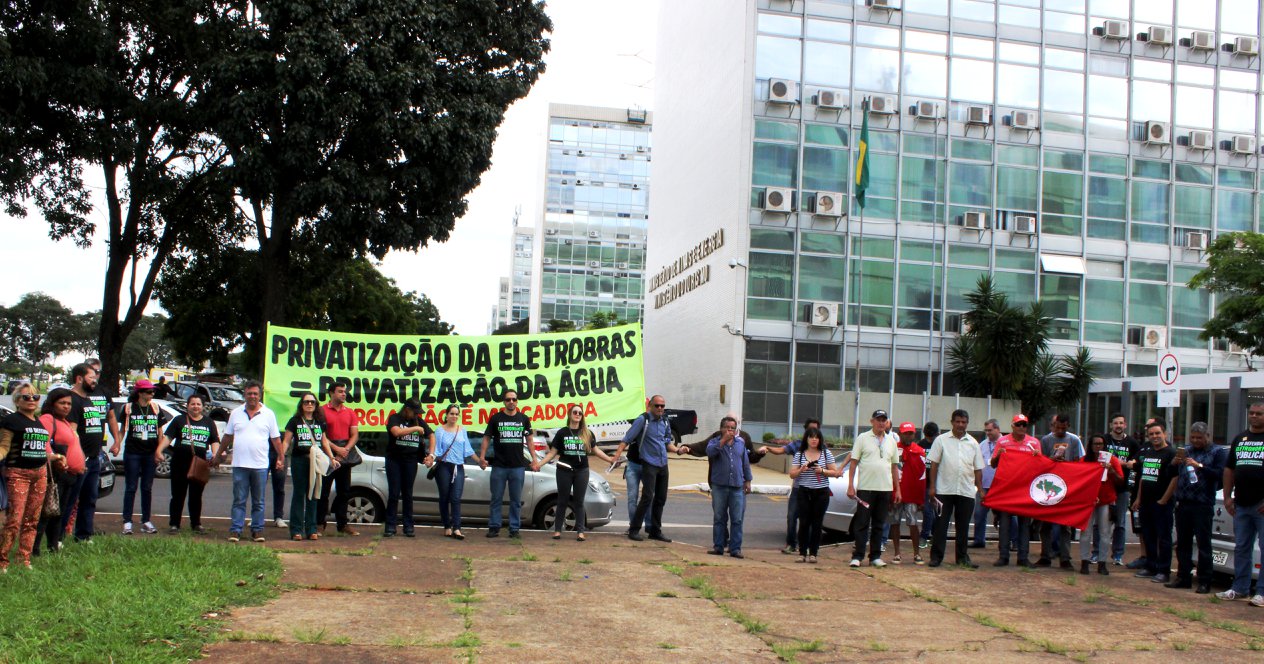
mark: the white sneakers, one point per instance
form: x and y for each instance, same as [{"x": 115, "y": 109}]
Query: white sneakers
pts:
[
  {"x": 148, "y": 528},
  {"x": 877, "y": 562},
  {"x": 1257, "y": 600},
  {"x": 282, "y": 523},
  {"x": 127, "y": 528},
  {"x": 1229, "y": 595},
  {"x": 855, "y": 562}
]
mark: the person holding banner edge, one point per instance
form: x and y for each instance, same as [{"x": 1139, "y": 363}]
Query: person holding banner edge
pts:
[
  {"x": 653, "y": 436},
  {"x": 305, "y": 430},
  {"x": 508, "y": 429},
  {"x": 408, "y": 439},
  {"x": 449, "y": 448},
  {"x": 571, "y": 446}
]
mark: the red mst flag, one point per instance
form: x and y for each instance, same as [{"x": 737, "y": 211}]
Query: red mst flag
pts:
[{"x": 1041, "y": 488}]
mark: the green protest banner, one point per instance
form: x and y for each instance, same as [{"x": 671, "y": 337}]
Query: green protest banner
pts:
[{"x": 598, "y": 369}]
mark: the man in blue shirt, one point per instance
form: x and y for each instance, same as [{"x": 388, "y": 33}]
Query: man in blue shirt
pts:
[
  {"x": 651, "y": 438},
  {"x": 730, "y": 480},
  {"x": 1202, "y": 470}
]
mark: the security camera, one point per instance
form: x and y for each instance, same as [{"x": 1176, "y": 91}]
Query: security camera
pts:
[{"x": 732, "y": 263}]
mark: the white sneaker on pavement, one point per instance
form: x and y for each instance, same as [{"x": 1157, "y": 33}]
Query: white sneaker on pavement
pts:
[
  {"x": 282, "y": 523},
  {"x": 127, "y": 528},
  {"x": 877, "y": 562},
  {"x": 148, "y": 528},
  {"x": 1257, "y": 600},
  {"x": 855, "y": 562},
  {"x": 1228, "y": 595}
]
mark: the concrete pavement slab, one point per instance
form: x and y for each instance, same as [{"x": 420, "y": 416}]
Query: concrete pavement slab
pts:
[
  {"x": 230, "y": 652},
  {"x": 382, "y": 573},
  {"x": 360, "y": 618},
  {"x": 667, "y": 652}
]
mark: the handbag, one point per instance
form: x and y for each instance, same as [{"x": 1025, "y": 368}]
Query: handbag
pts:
[
  {"x": 199, "y": 470},
  {"x": 52, "y": 496},
  {"x": 353, "y": 458},
  {"x": 434, "y": 470}
]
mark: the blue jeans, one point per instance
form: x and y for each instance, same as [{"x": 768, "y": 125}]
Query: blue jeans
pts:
[
  {"x": 980, "y": 520},
  {"x": 632, "y": 477},
  {"x": 514, "y": 477},
  {"x": 451, "y": 480},
  {"x": 138, "y": 469},
  {"x": 928, "y": 520},
  {"x": 251, "y": 481},
  {"x": 278, "y": 485},
  {"x": 93, "y": 473},
  {"x": 1248, "y": 530},
  {"x": 728, "y": 505},
  {"x": 792, "y": 519}
]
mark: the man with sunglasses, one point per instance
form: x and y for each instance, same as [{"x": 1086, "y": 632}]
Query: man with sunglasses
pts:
[
  {"x": 653, "y": 438},
  {"x": 1015, "y": 442},
  {"x": 507, "y": 431}
]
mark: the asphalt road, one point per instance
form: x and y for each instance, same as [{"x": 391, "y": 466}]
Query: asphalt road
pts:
[{"x": 686, "y": 518}]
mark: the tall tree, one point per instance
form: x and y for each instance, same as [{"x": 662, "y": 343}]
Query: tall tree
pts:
[
  {"x": 37, "y": 329},
  {"x": 1235, "y": 274},
  {"x": 102, "y": 90},
  {"x": 361, "y": 124}
]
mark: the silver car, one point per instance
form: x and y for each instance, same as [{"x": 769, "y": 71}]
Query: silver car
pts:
[
  {"x": 367, "y": 495},
  {"x": 841, "y": 509},
  {"x": 1222, "y": 541}
]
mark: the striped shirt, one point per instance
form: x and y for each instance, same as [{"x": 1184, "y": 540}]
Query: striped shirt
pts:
[{"x": 809, "y": 479}]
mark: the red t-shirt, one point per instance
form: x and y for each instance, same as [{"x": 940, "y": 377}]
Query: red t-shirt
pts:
[
  {"x": 1028, "y": 444},
  {"x": 65, "y": 435},
  {"x": 338, "y": 422},
  {"x": 1106, "y": 495},
  {"x": 913, "y": 474}
]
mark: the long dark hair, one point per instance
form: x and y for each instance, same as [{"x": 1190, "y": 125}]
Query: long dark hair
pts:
[
  {"x": 1089, "y": 457},
  {"x": 53, "y": 396},
  {"x": 813, "y": 432},
  {"x": 318, "y": 414}
]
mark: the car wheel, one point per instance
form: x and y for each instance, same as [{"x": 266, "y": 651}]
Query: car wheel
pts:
[
  {"x": 546, "y": 514},
  {"x": 163, "y": 468},
  {"x": 363, "y": 506}
]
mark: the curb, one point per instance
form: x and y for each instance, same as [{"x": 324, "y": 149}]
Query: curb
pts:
[{"x": 768, "y": 489}]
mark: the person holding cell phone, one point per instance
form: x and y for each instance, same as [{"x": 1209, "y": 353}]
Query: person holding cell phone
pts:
[
  {"x": 1099, "y": 519},
  {"x": 571, "y": 446},
  {"x": 1201, "y": 471},
  {"x": 810, "y": 470}
]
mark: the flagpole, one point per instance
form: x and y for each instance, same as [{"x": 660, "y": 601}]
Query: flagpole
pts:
[{"x": 862, "y": 182}]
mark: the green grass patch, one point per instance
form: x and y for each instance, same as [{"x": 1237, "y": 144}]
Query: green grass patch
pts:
[
  {"x": 311, "y": 635},
  {"x": 1254, "y": 644},
  {"x": 673, "y": 569},
  {"x": 466, "y": 596},
  {"x": 700, "y": 584},
  {"x": 261, "y": 637},
  {"x": 1070, "y": 580},
  {"x": 564, "y": 576},
  {"x": 878, "y": 646},
  {"x": 584, "y": 561},
  {"x": 1051, "y": 647},
  {"x": 748, "y": 623},
  {"x": 666, "y": 593},
  {"x": 666, "y": 646},
  {"x": 405, "y": 642},
  {"x": 1189, "y": 614},
  {"x": 1092, "y": 598},
  {"x": 467, "y": 639},
  {"x": 787, "y": 651},
  {"x": 133, "y": 599},
  {"x": 1180, "y": 645},
  {"x": 989, "y": 621}
]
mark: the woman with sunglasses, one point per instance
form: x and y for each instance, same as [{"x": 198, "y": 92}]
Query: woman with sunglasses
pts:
[
  {"x": 189, "y": 435},
  {"x": 305, "y": 430},
  {"x": 24, "y": 445},
  {"x": 571, "y": 446},
  {"x": 408, "y": 439},
  {"x": 54, "y": 415},
  {"x": 449, "y": 448},
  {"x": 142, "y": 432}
]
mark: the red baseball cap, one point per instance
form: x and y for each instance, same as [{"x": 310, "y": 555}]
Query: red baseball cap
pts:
[
  {"x": 144, "y": 384},
  {"x": 1020, "y": 418},
  {"x": 908, "y": 427}
]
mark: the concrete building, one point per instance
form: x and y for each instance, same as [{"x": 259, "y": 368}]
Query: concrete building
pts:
[
  {"x": 592, "y": 249},
  {"x": 513, "y": 298},
  {"x": 1081, "y": 153}
]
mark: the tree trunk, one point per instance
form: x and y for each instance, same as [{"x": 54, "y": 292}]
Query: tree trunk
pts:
[{"x": 275, "y": 268}]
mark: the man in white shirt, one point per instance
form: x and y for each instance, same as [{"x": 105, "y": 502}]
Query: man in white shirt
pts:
[
  {"x": 252, "y": 429},
  {"x": 956, "y": 476},
  {"x": 874, "y": 477}
]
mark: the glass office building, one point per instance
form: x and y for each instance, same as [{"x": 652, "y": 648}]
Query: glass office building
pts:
[
  {"x": 592, "y": 256},
  {"x": 1081, "y": 152}
]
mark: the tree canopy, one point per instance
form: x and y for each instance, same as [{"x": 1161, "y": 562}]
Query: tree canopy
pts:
[
  {"x": 1235, "y": 273},
  {"x": 34, "y": 330}
]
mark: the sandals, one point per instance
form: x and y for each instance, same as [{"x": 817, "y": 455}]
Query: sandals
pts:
[
  {"x": 297, "y": 538},
  {"x": 447, "y": 532},
  {"x": 557, "y": 535},
  {"x": 897, "y": 559},
  {"x": 314, "y": 536},
  {"x": 812, "y": 559},
  {"x": 456, "y": 534},
  {"x": 580, "y": 538}
]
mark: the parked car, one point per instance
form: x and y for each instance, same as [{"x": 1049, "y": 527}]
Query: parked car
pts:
[
  {"x": 367, "y": 495},
  {"x": 220, "y": 398},
  {"x": 172, "y": 409},
  {"x": 1222, "y": 541},
  {"x": 105, "y": 481},
  {"x": 607, "y": 436}
]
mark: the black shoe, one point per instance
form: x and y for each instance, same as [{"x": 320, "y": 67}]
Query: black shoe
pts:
[
  {"x": 409, "y": 533},
  {"x": 658, "y": 537},
  {"x": 1139, "y": 563},
  {"x": 1083, "y": 567},
  {"x": 716, "y": 552},
  {"x": 1144, "y": 574},
  {"x": 736, "y": 554},
  {"x": 1203, "y": 588},
  {"x": 967, "y": 563},
  {"x": 935, "y": 563},
  {"x": 513, "y": 534},
  {"x": 1066, "y": 564},
  {"x": 494, "y": 532},
  {"x": 1160, "y": 578},
  {"x": 635, "y": 536},
  {"x": 1101, "y": 569},
  {"x": 1044, "y": 562},
  {"x": 1178, "y": 582},
  {"x": 1001, "y": 563},
  {"x": 976, "y": 545},
  {"x": 388, "y": 534}
]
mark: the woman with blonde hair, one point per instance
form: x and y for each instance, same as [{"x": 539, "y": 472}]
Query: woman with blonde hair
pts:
[
  {"x": 571, "y": 446},
  {"x": 26, "y": 447}
]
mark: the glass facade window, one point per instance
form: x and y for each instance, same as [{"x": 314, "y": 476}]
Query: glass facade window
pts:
[{"x": 766, "y": 382}]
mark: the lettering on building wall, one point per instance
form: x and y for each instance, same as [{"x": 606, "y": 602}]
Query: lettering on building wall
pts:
[
  {"x": 681, "y": 265},
  {"x": 701, "y": 276}
]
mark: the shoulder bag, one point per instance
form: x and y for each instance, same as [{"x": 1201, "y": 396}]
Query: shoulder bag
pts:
[
  {"x": 52, "y": 496},
  {"x": 434, "y": 470},
  {"x": 199, "y": 470}
]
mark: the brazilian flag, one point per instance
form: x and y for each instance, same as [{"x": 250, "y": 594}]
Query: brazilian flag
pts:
[{"x": 862, "y": 156}]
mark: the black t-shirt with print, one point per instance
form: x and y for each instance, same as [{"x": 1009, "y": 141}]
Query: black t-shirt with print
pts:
[
  {"x": 305, "y": 434},
  {"x": 29, "y": 446},
  {"x": 507, "y": 433},
  {"x": 571, "y": 448},
  {"x": 141, "y": 426},
  {"x": 412, "y": 445},
  {"x": 1125, "y": 450},
  {"x": 1156, "y": 473},
  {"x": 192, "y": 437},
  {"x": 90, "y": 415},
  {"x": 1246, "y": 458}
]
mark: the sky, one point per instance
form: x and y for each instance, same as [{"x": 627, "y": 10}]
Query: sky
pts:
[{"x": 602, "y": 55}]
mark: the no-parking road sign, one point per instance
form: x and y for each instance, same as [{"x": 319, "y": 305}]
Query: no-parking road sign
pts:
[{"x": 1169, "y": 382}]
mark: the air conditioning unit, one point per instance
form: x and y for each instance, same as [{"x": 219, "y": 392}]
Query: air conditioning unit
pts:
[
  {"x": 1025, "y": 120},
  {"x": 1196, "y": 240},
  {"x": 550, "y": 231},
  {"x": 1246, "y": 46},
  {"x": 828, "y": 98},
  {"x": 621, "y": 266},
  {"x": 594, "y": 233},
  {"x": 828, "y": 204},
  {"x": 640, "y": 148},
  {"x": 1200, "y": 139},
  {"x": 1243, "y": 144},
  {"x": 824, "y": 314},
  {"x": 1202, "y": 40},
  {"x": 885, "y": 5},
  {"x": 782, "y": 91},
  {"x": 1025, "y": 224},
  {"x": 1158, "y": 133},
  {"x": 975, "y": 220},
  {"x": 1115, "y": 30},
  {"x": 1159, "y": 35},
  {"x": 548, "y": 261},
  {"x": 1153, "y": 337},
  {"x": 594, "y": 263},
  {"x": 926, "y": 110},
  {"x": 882, "y": 104},
  {"x": 778, "y": 199},
  {"x": 978, "y": 115}
]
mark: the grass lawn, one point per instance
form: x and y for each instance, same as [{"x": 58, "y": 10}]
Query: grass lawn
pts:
[{"x": 128, "y": 599}]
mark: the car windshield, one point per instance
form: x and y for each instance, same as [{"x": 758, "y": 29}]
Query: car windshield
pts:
[{"x": 225, "y": 393}]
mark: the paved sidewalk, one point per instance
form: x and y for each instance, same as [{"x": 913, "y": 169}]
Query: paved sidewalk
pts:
[{"x": 432, "y": 599}]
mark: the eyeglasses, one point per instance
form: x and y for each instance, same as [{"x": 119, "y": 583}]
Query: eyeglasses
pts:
[
  {"x": 659, "y": 405},
  {"x": 1021, "y": 424},
  {"x": 308, "y": 402},
  {"x": 514, "y": 401},
  {"x": 144, "y": 391},
  {"x": 577, "y": 412},
  {"x": 29, "y": 397}
]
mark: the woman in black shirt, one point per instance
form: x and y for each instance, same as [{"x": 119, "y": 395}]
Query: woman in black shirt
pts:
[
  {"x": 189, "y": 435},
  {"x": 305, "y": 430},
  {"x": 26, "y": 449},
  {"x": 571, "y": 446},
  {"x": 142, "y": 431},
  {"x": 408, "y": 440}
]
